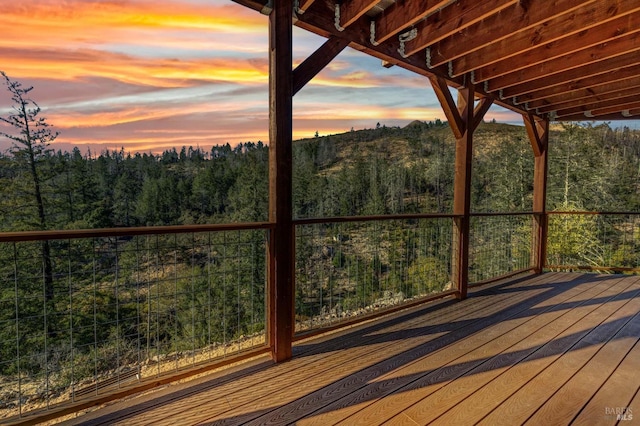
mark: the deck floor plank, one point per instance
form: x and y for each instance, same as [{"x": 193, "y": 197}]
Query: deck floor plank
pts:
[
  {"x": 528, "y": 399},
  {"x": 550, "y": 349},
  {"x": 247, "y": 390},
  {"x": 338, "y": 363},
  {"x": 616, "y": 393},
  {"x": 436, "y": 369},
  {"x": 564, "y": 405},
  {"x": 563, "y": 333},
  {"x": 565, "y": 325},
  {"x": 427, "y": 409},
  {"x": 391, "y": 355}
]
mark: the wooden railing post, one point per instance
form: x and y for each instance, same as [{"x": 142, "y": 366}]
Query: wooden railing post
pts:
[
  {"x": 538, "y": 132},
  {"x": 462, "y": 195},
  {"x": 463, "y": 118},
  {"x": 280, "y": 300}
]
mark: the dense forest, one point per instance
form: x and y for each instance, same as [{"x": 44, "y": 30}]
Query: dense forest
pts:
[
  {"x": 73, "y": 312},
  {"x": 378, "y": 171}
]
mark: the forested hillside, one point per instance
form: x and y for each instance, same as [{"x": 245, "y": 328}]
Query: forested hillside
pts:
[
  {"x": 75, "y": 313},
  {"x": 375, "y": 171}
]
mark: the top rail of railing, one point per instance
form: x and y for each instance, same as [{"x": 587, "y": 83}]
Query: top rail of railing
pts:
[
  {"x": 497, "y": 214},
  {"x": 373, "y": 218},
  {"x": 112, "y": 232},
  {"x": 15, "y": 236},
  {"x": 407, "y": 216},
  {"x": 592, "y": 213}
]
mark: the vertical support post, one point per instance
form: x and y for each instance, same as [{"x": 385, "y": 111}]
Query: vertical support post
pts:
[
  {"x": 462, "y": 193},
  {"x": 463, "y": 119},
  {"x": 538, "y": 132},
  {"x": 280, "y": 304}
]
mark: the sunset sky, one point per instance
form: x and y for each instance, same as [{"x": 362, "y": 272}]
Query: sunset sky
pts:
[{"x": 150, "y": 75}]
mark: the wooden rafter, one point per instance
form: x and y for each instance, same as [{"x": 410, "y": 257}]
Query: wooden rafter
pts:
[
  {"x": 531, "y": 56},
  {"x": 453, "y": 19},
  {"x": 403, "y": 15},
  {"x": 586, "y": 86},
  {"x": 304, "y": 5},
  {"x": 496, "y": 61},
  {"x": 518, "y": 18},
  {"x": 629, "y": 88},
  {"x": 600, "y": 68},
  {"x": 352, "y": 10},
  {"x": 319, "y": 18},
  {"x": 583, "y": 58},
  {"x": 602, "y": 108},
  {"x": 618, "y": 115}
]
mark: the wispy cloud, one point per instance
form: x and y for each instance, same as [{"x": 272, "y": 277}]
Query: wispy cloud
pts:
[{"x": 150, "y": 75}]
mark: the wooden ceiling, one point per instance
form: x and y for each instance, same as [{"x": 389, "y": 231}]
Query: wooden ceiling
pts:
[{"x": 566, "y": 60}]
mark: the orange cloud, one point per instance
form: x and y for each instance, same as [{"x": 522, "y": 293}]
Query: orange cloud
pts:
[
  {"x": 160, "y": 72},
  {"x": 70, "y": 118},
  {"x": 49, "y": 22}
]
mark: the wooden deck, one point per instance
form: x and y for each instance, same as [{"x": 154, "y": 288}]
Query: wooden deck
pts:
[{"x": 553, "y": 349}]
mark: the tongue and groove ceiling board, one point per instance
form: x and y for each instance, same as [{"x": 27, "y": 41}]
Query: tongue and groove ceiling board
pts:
[{"x": 565, "y": 60}]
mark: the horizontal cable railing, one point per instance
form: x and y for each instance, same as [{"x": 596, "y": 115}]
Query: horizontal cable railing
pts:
[
  {"x": 350, "y": 267},
  {"x": 84, "y": 313},
  {"x": 499, "y": 245},
  {"x": 593, "y": 241}
]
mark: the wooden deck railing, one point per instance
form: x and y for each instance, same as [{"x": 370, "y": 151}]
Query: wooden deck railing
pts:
[
  {"x": 170, "y": 301},
  {"x": 165, "y": 302}
]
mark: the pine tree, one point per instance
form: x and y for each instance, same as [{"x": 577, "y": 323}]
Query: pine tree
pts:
[{"x": 31, "y": 138}]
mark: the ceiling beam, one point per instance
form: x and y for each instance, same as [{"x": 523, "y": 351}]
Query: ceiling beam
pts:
[
  {"x": 352, "y": 10},
  {"x": 597, "y": 54},
  {"x": 632, "y": 114},
  {"x": 304, "y": 5},
  {"x": 583, "y": 85},
  {"x": 618, "y": 104},
  {"x": 489, "y": 63},
  {"x": 519, "y": 17},
  {"x": 403, "y": 15},
  {"x": 631, "y": 109},
  {"x": 453, "y": 19},
  {"x": 630, "y": 87},
  {"x": 320, "y": 19},
  {"x": 599, "y": 68}
]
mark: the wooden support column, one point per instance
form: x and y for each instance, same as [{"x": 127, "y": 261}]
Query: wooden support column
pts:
[
  {"x": 280, "y": 304},
  {"x": 538, "y": 132},
  {"x": 463, "y": 120},
  {"x": 284, "y": 83}
]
